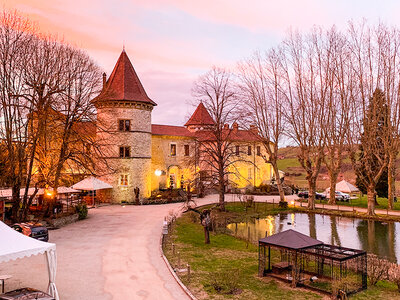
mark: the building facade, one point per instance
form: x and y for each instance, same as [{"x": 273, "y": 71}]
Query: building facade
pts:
[{"x": 138, "y": 154}]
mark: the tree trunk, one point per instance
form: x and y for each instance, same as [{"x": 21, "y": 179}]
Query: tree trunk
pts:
[
  {"x": 311, "y": 193},
  {"x": 221, "y": 190},
  {"x": 206, "y": 235},
  {"x": 332, "y": 190},
  {"x": 391, "y": 181},
  {"x": 278, "y": 181},
  {"x": 371, "y": 199}
]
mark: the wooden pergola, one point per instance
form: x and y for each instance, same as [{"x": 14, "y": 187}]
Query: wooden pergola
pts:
[{"x": 302, "y": 260}]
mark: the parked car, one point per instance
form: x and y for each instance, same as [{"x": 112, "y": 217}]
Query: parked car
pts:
[
  {"x": 26, "y": 293},
  {"x": 303, "y": 194},
  {"x": 340, "y": 196},
  {"x": 34, "y": 230}
]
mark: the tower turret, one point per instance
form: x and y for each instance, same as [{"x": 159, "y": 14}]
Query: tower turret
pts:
[{"x": 124, "y": 132}]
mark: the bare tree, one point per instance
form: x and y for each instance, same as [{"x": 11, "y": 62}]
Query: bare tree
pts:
[
  {"x": 307, "y": 67},
  {"x": 261, "y": 86},
  {"x": 338, "y": 112},
  {"x": 371, "y": 127},
  {"x": 17, "y": 35},
  {"x": 216, "y": 91}
]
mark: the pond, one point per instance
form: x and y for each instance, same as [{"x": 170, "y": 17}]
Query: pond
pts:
[{"x": 373, "y": 236}]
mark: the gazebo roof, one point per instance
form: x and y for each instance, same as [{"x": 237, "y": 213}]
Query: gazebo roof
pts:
[{"x": 291, "y": 239}]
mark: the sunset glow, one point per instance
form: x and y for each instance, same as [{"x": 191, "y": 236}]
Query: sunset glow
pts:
[{"x": 172, "y": 42}]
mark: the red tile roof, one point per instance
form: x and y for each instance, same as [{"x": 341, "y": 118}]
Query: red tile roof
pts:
[
  {"x": 200, "y": 117},
  {"x": 124, "y": 84},
  {"x": 170, "y": 130},
  {"x": 234, "y": 135}
]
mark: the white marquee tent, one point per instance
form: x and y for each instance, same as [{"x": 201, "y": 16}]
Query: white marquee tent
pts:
[
  {"x": 16, "y": 245},
  {"x": 345, "y": 187}
]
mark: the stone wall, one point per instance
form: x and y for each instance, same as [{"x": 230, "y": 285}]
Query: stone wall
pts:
[{"x": 138, "y": 166}]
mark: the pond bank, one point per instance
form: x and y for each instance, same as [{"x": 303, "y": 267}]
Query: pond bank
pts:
[{"x": 227, "y": 268}]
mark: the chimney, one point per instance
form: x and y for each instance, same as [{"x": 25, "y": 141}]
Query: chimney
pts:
[
  {"x": 104, "y": 79},
  {"x": 235, "y": 127},
  {"x": 253, "y": 128}
]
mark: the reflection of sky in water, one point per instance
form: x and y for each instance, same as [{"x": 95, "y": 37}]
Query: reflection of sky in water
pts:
[{"x": 372, "y": 236}]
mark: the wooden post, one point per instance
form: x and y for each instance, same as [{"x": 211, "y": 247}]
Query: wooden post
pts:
[
  {"x": 248, "y": 237},
  {"x": 179, "y": 259},
  {"x": 188, "y": 271},
  {"x": 173, "y": 248}
]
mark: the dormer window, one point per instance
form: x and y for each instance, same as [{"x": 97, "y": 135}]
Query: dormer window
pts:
[{"x": 124, "y": 125}]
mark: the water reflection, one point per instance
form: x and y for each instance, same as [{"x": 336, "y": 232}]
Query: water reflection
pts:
[{"x": 373, "y": 236}]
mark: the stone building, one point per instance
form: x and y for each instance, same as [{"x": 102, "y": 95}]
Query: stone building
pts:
[{"x": 151, "y": 156}]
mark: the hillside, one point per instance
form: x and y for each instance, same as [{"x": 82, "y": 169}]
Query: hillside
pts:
[{"x": 294, "y": 173}]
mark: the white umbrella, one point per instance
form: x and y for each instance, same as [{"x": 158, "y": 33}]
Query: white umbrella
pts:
[{"x": 91, "y": 184}]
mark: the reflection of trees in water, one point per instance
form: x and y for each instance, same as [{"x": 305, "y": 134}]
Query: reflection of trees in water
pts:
[
  {"x": 335, "y": 240},
  {"x": 282, "y": 218},
  {"x": 377, "y": 238},
  {"x": 313, "y": 230}
]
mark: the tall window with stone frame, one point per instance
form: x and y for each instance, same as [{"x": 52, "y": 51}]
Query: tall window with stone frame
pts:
[
  {"x": 124, "y": 180},
  {"x": 173, "y": 150},
  {"x": 124, "y": 151},
  {"x": 124, "y": 125},
  {"x": 186, "y": 148},
  {"x": 237, "y": 150},
  {"x": 258, "y": 150},
  {"x": 249, "y": 150}
]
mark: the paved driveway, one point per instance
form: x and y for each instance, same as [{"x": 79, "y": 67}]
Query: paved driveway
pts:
[{"x": 114, "y": 254}]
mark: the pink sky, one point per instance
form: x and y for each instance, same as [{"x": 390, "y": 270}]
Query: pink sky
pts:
[{"x": 172, "y": 42}]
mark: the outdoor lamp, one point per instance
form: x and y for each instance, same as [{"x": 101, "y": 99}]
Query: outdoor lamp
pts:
[{"x": 158, "y": 172}]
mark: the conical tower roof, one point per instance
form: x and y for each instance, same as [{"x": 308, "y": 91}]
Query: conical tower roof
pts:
[
  {"x": 200, "y": 117},
  {"x": 124, "y": 84}
]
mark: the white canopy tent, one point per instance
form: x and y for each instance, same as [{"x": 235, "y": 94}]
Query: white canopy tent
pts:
[
  {"x": 345, "y": 187},
  {"x": 16, "y": 245}
]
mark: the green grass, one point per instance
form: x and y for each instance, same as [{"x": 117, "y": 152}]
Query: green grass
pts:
[
  {"x": 284, "y": 164},
  {"x": 235, "y": 262},
  {"x": 363, "y": 202}
]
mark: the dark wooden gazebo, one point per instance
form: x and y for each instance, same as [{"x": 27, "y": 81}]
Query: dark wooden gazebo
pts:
[{"x": 301, "y": 260}]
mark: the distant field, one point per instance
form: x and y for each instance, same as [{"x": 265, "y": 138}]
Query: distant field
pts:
[{"x": 295, "y": 173}]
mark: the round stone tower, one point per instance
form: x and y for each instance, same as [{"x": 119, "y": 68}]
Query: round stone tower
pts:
[{"x": 123, "y": 133}]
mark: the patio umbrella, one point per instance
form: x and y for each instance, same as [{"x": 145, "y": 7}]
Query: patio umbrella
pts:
[{"x": 91, "y": 184}]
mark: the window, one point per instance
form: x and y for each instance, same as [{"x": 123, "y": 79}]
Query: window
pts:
[
  {"x": 186, "y": 150},
  {"x": 124, "y": 151},
  {"x": 259, "y": 150},
  {"x": 124, "y": 180},
  {"x": 173, "y": 149},
  {"x": 124, "y": 125},
  {"x": 237, "y": 150},
  {"x": 249, "y": 150}
]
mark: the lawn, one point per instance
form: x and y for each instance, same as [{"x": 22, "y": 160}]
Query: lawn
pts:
[
  {"x": 362, "y": 202},
  {"x": 227, "y": 268}
]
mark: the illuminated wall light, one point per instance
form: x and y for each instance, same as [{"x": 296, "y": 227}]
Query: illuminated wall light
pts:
[{"x": 158, "y": 172}]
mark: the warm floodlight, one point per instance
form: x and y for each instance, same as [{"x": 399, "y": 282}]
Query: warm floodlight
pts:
[{"x": 158, "y": 172}]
